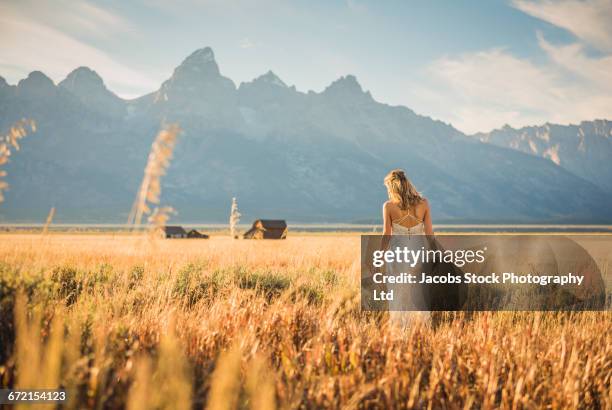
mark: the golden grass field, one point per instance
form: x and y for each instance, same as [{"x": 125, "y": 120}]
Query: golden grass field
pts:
[{"x": 125, "y": 321}]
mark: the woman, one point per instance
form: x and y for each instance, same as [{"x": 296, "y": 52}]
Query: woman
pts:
[
  {"x": 407, "y": 211},
  {"x": 407, "y": 223}
]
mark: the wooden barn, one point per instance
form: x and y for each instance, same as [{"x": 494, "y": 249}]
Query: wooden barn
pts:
[
  {"x": 173, "y": 232},
  {"x": 197, "y": 234},
  {"x": 267, "y": 229}
]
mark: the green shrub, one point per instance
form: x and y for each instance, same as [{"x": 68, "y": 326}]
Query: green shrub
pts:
[
  {"x": 269, "y": 284},
  {"x": 67, "y": 284},
  {"x": 193, "y": 285}
]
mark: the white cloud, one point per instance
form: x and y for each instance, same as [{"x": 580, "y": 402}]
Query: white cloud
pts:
[
  {"x": 83, "y": 16},
  {"x": 27, "y": 44},
  {"x": 77, "y": 18},
  {"x": 596, "y": 71},
  {"x": 590, "y": 20},
  {"x": 487, "y": 89}
]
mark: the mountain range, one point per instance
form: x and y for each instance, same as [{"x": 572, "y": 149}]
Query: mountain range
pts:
[{"x": 303, "y": 156}]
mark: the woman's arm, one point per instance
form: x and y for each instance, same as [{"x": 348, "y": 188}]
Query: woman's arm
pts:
[
  {"x": 427, "y": 220},
  {"x": 387, "y": 230}
]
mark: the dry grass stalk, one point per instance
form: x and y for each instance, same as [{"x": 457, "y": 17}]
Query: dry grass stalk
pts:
[
  {"x": 11, "y": 141},
  {"x": 157, "y": 165},
  {"x": 158, "y": 219},
  {"x": 38, "y": 364},
  {"x": 49, "y": 220},
  {"x": 166, "y": 382},
  {"x": 260, "y": 385},
  {"x": 225, "y": 387},
  {"x": 140, "y": 392},
  {"x": 234, "y": 218},
  {"x": 173, "y": 374},
  {"x": 28, "y": 343}
]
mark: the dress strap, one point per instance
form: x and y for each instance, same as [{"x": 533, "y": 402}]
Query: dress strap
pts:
[{"x": 403, "y": 218}]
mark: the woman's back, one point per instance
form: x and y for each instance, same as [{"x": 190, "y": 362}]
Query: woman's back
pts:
[
  {"x": 409, "y": 221},
  {"x": 418, "y": 229}
]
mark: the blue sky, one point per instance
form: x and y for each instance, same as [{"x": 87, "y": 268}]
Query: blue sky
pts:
[{"x": 475, "y": 64}]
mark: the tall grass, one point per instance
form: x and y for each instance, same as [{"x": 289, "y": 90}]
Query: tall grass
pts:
[
  {"x": 48, "y": 221},
  {"x": 234, "y": 218},
  {"x": 234, "y": 324},
  {"x": 150, "y": 188},
  {"x": 10, "y": 142}
]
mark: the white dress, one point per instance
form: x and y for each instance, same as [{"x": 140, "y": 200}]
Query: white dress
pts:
[{"x": 407, "y": 299}]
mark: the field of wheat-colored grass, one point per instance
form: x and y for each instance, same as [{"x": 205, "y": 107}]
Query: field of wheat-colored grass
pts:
[{"x": 125, "y": 321}]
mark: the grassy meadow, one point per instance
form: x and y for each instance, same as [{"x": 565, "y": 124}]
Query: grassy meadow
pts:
[{"x": 128, "y": 321}]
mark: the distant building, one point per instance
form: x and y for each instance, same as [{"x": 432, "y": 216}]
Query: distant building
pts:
[
  {"x": 173, "y": 232},
  {"x": 267, "y": 229},
  {"x": 196, "y": 234}
]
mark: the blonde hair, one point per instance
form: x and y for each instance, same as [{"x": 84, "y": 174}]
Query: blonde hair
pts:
[{"x": 401, "y": 189}]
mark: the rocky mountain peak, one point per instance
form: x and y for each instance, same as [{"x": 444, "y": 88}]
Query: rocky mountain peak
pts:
[
  {"x": 36, "y": 78},
  {"x": 36, "y": 84},
  {"x": 197, "y": 76},
  {"x": 270, "y": 78},
  {"x": 198, "y": 90},
  {"x": 89, "y": 88},
  {"x": 346, "y": 87},
  {"x": 200, "y": 63},
  {"x": 83, "y": 78}
]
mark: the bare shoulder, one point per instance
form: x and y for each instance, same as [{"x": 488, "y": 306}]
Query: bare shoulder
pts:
[
  {"x": 424, "y": 205},
  {"x": 388, "y": 205}
]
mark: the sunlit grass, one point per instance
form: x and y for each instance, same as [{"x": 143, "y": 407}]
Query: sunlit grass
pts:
[{"x": 262, "y": 324}]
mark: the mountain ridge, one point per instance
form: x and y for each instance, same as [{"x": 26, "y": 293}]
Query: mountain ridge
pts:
[
  {"x": 583, "y": 149},
  {"x": 284, "y": 153}
]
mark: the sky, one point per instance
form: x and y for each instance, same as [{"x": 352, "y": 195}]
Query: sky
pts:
[{"x": 475, "y": 64}]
